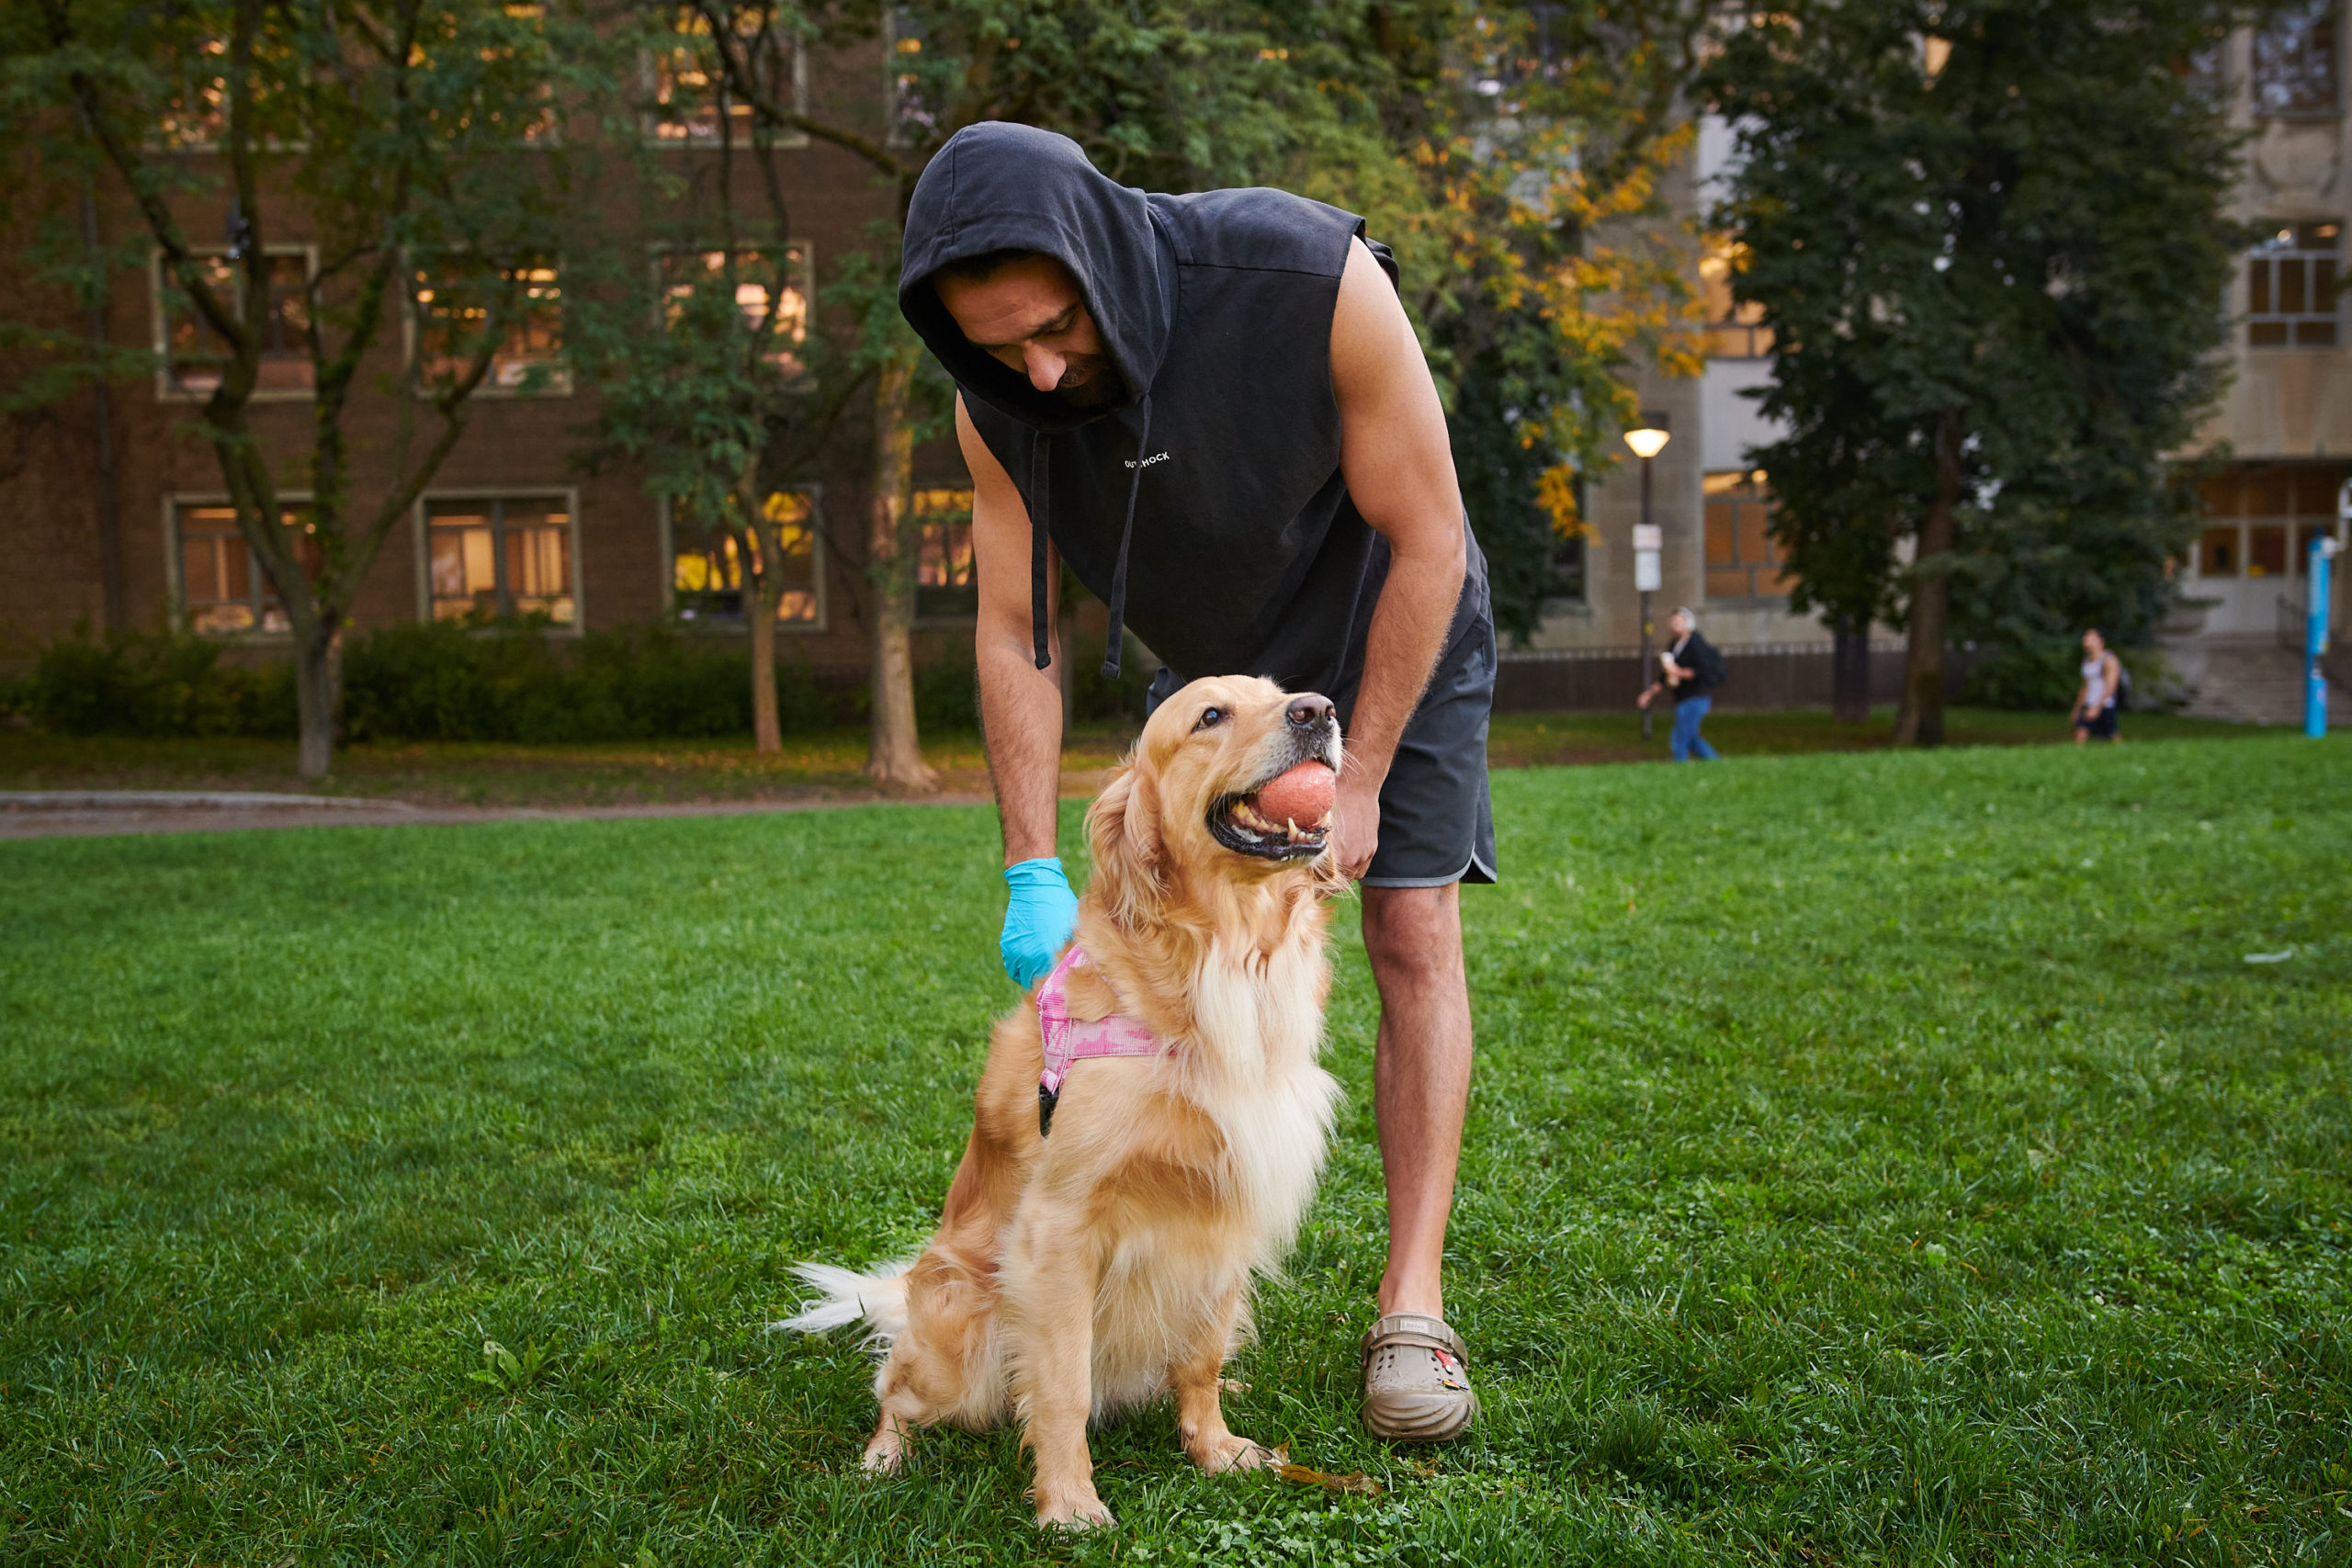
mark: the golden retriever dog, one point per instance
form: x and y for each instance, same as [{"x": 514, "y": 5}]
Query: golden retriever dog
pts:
[{"x": 1097, "y": 1246}]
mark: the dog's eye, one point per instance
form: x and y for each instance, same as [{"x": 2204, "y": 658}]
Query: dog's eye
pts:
[{"x": 1210, "y": 719}]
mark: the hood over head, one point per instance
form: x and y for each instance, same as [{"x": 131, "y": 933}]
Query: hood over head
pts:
[{"x": 1000, "y": 186}]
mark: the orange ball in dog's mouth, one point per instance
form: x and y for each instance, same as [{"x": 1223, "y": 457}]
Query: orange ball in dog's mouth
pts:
[{"x": 1289, "y": 815}]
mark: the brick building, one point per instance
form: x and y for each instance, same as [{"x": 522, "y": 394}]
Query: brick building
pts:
[{"x": 113, "y": 517}]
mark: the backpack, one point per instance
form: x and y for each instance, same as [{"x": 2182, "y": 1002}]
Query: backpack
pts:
[
  {"x": 1711, "y": 667},
  {"x": 2122, "y": 687}
]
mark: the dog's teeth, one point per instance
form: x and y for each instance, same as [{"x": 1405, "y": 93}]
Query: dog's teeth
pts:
[
  {"x": 1292, "y": 828},
  {"x": 1324, "y": 822}
]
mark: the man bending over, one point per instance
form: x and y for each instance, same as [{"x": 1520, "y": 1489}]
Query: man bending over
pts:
[{"x": 1214, "y": 408}]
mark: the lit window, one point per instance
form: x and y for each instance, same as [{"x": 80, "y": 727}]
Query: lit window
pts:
[
  {"x": 706, "y": 566},
  {"x": 195, "y": 358},
  {"x": 2291, "y": 287},
  {"x": 500, "y": 557},
  {"x": 1742, "y": 560},
  {"x": 2217, "y": 553},
  {"x": 454, "y": 316},
  {"x": 945, "y": 585},
  {"x": 2261, "y": 517},
  {"x": 690, "y": 88},
  {"x": 1736, "y": 330},
  {"x": 196, "y": 110},
  {"x": 770, "y": 290},
  {"x": 222, "y": 590},
  {"x": 911, "y": 118},
  {"x": 2294, "y": 61}
]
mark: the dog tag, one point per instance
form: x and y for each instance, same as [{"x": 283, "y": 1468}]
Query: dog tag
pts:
[{"x": 1045, "y": 1098}]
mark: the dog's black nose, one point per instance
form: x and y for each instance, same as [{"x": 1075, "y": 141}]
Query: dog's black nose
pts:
[{"x": 1309, "y": 710}]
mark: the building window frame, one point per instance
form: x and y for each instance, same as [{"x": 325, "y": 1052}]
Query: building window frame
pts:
[
  {"x": 738, "y": 625},
  {"x": 1739, "y": 489},
  {"x": 175, "y": 568},
  {"x": 1735, "y": 329},
  {"x": 946, "y": 575},
  {"x": 2300, "y": 259},
  {"x": 800, "y": 278},
  {"x": 159, "y": 315},
  {"x": 2294, "y": 68},
  {"x": 682, "y": 134},
  {"x": 421, "y": 517},
  {"x": 2250, "y": 536},
  {"x": 559, "y": 381}
]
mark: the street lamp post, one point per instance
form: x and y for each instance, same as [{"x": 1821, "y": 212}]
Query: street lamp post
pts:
[{"x": 1647, "y": 438}]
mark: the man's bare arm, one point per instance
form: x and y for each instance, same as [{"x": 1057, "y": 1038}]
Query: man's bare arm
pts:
[
  {"x": 1399, "y": 467},
  {"x": 1021, "y": 706}
]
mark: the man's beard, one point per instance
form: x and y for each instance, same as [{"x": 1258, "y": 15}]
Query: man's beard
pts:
[{"x": 1102, "y": 388}]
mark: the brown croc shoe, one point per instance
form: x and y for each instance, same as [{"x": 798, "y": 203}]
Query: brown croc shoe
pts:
[{"x": 1416, "y": 1380}]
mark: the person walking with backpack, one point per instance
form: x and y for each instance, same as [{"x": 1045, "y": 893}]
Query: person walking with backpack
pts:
[
  {"x": 2100, "y": 696},
  {"x": 1690, "y": 670}
]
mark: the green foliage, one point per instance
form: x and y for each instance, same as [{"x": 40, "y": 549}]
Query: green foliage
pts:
[
  {"x": 1500, "y": 474},
  {"x": 2011, "y": 259},
  {"x": 154, "y": 685},
  {"x": 2038, "y": 675},
  {"x": 1914, "y": 1173},
  {"x": 445, "y": 682},
  {"x": 441, "y": 681},
  {"x": 434, "y": 156}
]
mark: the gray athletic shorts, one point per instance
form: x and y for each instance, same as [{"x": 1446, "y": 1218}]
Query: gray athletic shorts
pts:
[{"x": 1437, "y": 822}]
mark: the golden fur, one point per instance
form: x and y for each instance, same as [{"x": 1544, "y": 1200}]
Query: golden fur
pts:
[{"x": 1089, "y": 1271}]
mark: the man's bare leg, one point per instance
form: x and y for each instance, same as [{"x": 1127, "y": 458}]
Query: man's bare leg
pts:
[{"x": 1421, "y": 1079}]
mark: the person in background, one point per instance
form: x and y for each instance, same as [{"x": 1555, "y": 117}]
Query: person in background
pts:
[
  {"x": 2095, "y": 704},
  {"x": 1690, "y": 670}
]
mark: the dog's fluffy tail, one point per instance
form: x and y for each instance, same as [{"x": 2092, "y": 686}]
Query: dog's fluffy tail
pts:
[{"x": 844, "y": 1296}]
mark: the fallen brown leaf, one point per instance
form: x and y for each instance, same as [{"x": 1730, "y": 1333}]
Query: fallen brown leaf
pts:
[{"x": 1306, "y": 1475}]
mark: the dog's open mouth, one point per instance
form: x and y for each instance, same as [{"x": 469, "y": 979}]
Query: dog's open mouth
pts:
[{"x": 1265, "y": 822}]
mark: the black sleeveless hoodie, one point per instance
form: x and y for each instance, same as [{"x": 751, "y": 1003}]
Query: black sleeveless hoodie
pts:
[{"x": 1209, "y": 512}]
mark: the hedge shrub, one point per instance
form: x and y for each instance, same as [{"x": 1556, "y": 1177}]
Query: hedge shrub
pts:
[
  {"x": 157, "y": 685},
  {"x": 445, "y": 680}
]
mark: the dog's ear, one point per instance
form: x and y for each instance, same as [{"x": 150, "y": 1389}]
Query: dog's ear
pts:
[{"x": 1123, "y": 827}]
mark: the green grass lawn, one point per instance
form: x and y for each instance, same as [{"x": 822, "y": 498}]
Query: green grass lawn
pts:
[
  {"x": 1874, "y": 1158},
  {"x": 830, "y": 765}
]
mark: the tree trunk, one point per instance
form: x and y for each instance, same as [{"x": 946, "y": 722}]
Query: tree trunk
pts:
[
  {"x": 895, "y": 758},
  {"x": 317, "y": 692},
  {"x": 1921, "y": 721},
  {"x": 759, "y": 617},
  {"x": 1849, "y": 670}
]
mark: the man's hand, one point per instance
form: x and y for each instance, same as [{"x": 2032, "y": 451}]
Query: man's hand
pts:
[
  {"x": 1644, "y": 700},
  {"x": 1038, "y": 918},
  {"x": 1355, "y": 821}
]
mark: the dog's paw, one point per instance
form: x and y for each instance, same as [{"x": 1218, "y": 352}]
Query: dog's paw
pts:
[
  {"x": 1230, "y": 1452},
  {"x": 1079, "y": 1511},
  {"x": 887, "y": 1452}
]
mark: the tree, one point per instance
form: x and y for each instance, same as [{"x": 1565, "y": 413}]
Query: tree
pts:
[
  {"x": 1172, "y": 97},
  {"x": 1987, "y": 236},
  {"x": 417, "y": 144},
  {"x": 1539, "y": 137},
  {"x": 710, "y": 373}
]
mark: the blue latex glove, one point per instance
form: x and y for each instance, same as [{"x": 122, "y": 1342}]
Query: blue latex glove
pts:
[{"x": 1037, "y": 918}]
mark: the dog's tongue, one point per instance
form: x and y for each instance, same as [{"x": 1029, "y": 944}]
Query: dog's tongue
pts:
[{"x": 1301, "y": 796}]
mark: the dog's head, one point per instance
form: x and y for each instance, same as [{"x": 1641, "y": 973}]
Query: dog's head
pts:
[{"x": 1185, "y": 804}]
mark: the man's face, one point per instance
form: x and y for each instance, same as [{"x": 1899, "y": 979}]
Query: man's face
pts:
[
  {"x": 1679, "y": 624},
  {"x": 2093, "y": 644},
  {"x": 1029, "y": 316}
]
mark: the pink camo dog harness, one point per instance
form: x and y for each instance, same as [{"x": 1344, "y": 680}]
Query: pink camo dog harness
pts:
[{"x": 1069, "y": 1039}]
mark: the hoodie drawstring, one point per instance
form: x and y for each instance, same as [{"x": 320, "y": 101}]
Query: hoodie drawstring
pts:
[
  {"x": 1126, "y": 537},
  {"x": 1041, "y": 528}
]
